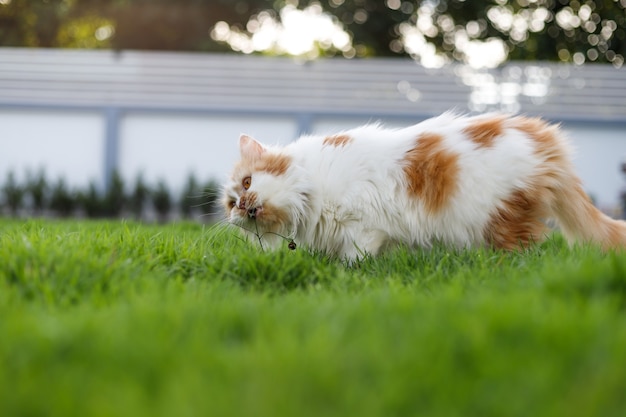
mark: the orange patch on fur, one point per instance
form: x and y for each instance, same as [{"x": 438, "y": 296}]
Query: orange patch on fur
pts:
[
  {"x": 431, "y": 172},
  {"x": 517, "y": 222},
  {"x": 537, "y": 129},
  {"x": 248, "y": 200},
  {"x": 275, "y": 164},
  {"x": 484, "y": 132},
  {"x": 272, "y": 218},
  {"x": 337, "y": 140},
  {"x": 555, "y": 168},
  {"x": 545, "y": 137}
]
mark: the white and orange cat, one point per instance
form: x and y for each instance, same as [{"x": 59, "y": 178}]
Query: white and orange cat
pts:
[{"x": 490, "y": 180}]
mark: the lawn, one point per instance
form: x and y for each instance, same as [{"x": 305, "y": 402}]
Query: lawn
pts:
[{"x": 120, "y": 318}]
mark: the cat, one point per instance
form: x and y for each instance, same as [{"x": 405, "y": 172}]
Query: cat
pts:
[{"x": 465, "y": 181}]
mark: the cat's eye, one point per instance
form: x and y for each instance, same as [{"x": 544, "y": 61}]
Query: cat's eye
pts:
[{"x": 246, "y": 182}]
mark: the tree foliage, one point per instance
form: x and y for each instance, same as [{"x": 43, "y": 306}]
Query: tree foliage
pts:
[
  {"x": 135, "y": 24},
  {"x": 13, "y": 194},
  {"x": 585, "y": 30},
  {"x": 579, "y": 30}
]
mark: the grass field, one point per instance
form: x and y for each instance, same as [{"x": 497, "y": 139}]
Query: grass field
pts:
[{"x": 115, "y": 318}]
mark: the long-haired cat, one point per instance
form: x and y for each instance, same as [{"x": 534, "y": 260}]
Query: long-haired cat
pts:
[{"x": 490, "y": 180}]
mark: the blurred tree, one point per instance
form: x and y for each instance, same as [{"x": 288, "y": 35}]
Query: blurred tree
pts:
[
  {"x": 372, "y": 23},
  {"x": 13, "y": 194},
  {"x": 190, "y": 197},
  {"x": 62, "y": 200},
  {"x": 162, "y": 201},
  {"x": 114, "y": 198},
  {"x": 37, "y": 188},
  {"x": 175, "y": 25},
  {"x": 88, "y": 31},
  {"x": 121, "y": 24},
  {"x": 138, "y": 197},
  {"x": 579, "y": 31},
  {"x": 586, "y": 30},
  {"x": 91, "y": 201},
  {"x": 209, "y": 199},
  {"x": 31, "y": 22}
]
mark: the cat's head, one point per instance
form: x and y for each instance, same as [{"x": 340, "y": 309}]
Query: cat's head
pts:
[{"x": 266, "y": 191}]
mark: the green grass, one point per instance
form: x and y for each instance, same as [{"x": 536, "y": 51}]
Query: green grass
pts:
[{"x": 106, "y": 318}]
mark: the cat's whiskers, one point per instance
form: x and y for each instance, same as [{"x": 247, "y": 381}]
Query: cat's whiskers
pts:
[
  {"x": 256, "y": 225},
  {"x": 292, "y": 244}
]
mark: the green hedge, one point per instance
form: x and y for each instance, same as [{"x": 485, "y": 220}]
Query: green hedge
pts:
[{"x": 38, "y": 196}]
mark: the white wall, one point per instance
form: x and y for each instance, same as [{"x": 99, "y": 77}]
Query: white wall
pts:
[
  {"x": 171, "y": 146},
  {"x": 327, "y": 125},
  {"x": 598, "y": 155},
  {"x": 68, "y": 145}
]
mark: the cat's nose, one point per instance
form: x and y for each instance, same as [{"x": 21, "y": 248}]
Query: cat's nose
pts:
[{"x": 252, "y": 212}]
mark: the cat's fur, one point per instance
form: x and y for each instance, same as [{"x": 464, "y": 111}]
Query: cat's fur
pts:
[{"x": 490, "y": 180}]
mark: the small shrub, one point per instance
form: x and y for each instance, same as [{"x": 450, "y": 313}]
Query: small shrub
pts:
[
  {"x": 37, "y": 196},
  {"x": 37, "y": 190},
  {"x": 210, "y": 193},
  {"x": 114, "y": 198},
  {"x": 91, "y": 202},
  {"x": 190, "y": 197},
  {"x": 62, "y": 200},
  {"x": 162, "y": 201},
  {"x": 138, "y": 197},
  {"x": 13, "y": 194}
]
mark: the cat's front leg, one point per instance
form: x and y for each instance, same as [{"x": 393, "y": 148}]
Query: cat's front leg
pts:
[{"x": 365, "y": 242}]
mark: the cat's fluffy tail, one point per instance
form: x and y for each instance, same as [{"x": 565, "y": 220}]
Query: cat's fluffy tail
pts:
[
  {"x": 558, "y": 186},
  {"x": 581, "y": 221}
]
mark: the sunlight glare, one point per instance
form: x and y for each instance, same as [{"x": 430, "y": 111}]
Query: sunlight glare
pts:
[{"x": 297, "y": 33}]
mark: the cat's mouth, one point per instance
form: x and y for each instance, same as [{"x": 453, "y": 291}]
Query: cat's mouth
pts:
[
  {"x": 267, "y": 215},
  {"x": 248, "y": 206},
  {"x": 253, "y": 212},
  {"x": 250, "y": 212}
]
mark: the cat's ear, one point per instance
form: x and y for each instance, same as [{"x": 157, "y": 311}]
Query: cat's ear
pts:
[{"x": 250, "y": 148}]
